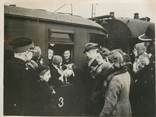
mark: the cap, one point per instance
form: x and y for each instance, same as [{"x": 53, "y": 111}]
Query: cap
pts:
[
  {"x": 22, "y": 44},
  {"x": 90, "y": 46},
  {"x": 149, "y": 34}
]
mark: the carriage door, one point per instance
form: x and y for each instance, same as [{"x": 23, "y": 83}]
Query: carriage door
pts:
[{"x": 63, "y": 40}]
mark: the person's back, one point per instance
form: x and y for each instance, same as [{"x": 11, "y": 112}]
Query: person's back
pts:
[
  {"x": 44, "y": 94},
  {"x": 145, "y": 88},
  {"x": 12, "y": 84},
  {"x": 117, "y": 84},
  {"x": 117, "y": 95},
  {"x": 123, "y": 104},
  {"x": 19, "y": 79},
  {"x": 18, "y": 87}
]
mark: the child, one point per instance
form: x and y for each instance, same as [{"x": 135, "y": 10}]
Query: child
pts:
[{"x": 45, "y": 93}]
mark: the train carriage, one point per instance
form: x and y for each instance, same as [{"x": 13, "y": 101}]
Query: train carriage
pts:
[
  {"x": 66, "y": 32},
  {"x": 62, "y": 29}
]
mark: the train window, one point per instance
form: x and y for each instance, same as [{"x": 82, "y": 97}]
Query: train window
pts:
[
  {"x": 62, "y": 40},
  {"x": 60, "y": 35},
  {"x": 98, "y": 38}
]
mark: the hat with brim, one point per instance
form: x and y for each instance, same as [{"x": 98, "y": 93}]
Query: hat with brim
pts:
[
  {"x": 149, "y": 34},
  {"x": 90, "y": 46},
  {"x": 143, "y": 37}
]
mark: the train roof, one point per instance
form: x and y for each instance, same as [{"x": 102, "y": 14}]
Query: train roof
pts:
[
  {"x": 50, "y": 16},
  {"x": 136, "y": 26}
]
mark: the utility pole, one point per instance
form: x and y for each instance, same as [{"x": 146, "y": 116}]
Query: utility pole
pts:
[
  {"x": 71, "y": 9},
  {"x": 92, "y": 10},
  {"x": 94, "y": 13}
]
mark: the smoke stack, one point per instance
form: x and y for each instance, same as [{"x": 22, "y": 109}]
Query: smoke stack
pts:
[
  {"x": 136, "y": 15},
  {"x": 111, "y": 14},
  {"x": 148, "y": 19}
]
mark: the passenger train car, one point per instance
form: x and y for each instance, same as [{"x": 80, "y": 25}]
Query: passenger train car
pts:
[{"x": 66, "y": 32}]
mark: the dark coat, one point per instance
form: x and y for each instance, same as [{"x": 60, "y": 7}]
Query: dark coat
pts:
[
  {"x": 18, "y": 87},
  {"x": 145, "y": 91},
  {"x": 45, "y": 99},
  {"x": 97, "y": 89},
  {"x": 24, "y": 93},
  {"x": 54, "y": 80}
]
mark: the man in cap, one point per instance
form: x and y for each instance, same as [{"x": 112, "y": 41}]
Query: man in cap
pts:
[
  {"x": 112, "y": 84},
  {"x": 98, "y": 67},
  {"x": 145, "y": 86},
  {"x": 19, "y": 79},
  {"x": 92, "y": 53}
]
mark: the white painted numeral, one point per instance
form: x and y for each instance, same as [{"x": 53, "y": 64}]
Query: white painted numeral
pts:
[{"x": 61, "y": 102}]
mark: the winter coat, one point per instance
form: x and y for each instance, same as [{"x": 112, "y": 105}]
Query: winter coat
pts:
[
  {"x": 45, "y": 99},
  {"x": 19, "y": 82},
  {"x": 98, "y": 74},
  {"x": 54, "y": 80},
  {"x": 117, "y": 95},
  {"x": 144, "y": 95}
]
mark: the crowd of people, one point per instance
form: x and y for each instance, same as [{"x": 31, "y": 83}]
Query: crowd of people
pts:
[
  {"x": 124, "y": 85},
  {"x": 30, "y": 84}
]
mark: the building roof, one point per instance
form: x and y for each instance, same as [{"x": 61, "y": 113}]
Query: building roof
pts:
[{"x": 49, "y": 16}]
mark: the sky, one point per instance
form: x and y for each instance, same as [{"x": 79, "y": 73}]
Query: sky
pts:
[{"x": 122, "y": 8}]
